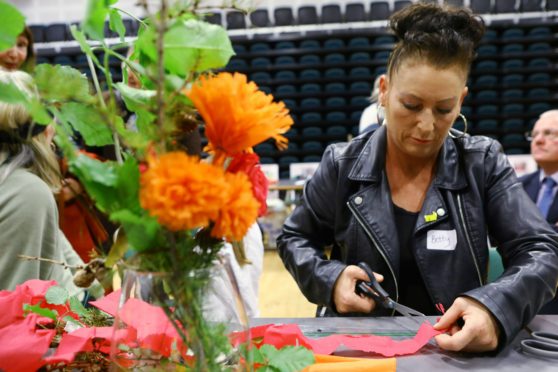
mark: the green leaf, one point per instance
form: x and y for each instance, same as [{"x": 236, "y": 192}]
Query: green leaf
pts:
[
  {"x": 88, "y": 122},
  {"x": 62, "y": 83},
  {"x": 79, "y": 36},
  {"x": 57, "y": 295},
  {"x": 116, "y": 24},
  {"x": 12, "y": 22},
  {"x": 37, "y": 309},
  {"x": 11, "y": 94},
  {"x": 194, "y": 45},
  {"x": 136, "y": 99},
  {"x": 77, "y": 307},
  {"x": 291, "y": 358},
  {"x": 189, "y": 45},
  {"x": 142, "y": 231},
  {"x": 94, "y": 21}
]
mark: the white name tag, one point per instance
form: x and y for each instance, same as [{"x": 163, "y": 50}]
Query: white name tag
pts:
[{"x": 442, "y": 240}]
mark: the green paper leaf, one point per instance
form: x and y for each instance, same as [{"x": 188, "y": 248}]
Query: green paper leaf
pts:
[
  {"x": 62, "y": 83},
  {"x": 142, "y": 231},
  {"x": 288, "y": 358},
  {"x": 77, "y": 307},
  {"x": 37, "y": 309},
  {"x": 88, "y": 122},
  {"x": 57, "y": 295},
  {"x": 94, "y": 21},
  {"x": 116, "y": 24},
  {"x": 136, "y": 99},
  {"x": 13, "y": 23}
]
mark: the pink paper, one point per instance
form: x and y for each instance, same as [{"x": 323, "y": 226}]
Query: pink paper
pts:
[
  {"x": 30, "y": 292},
  {"x": 23, "y": 346},
  {"x": 290, "y": 334},
  {"x": 109, "y": 303}
]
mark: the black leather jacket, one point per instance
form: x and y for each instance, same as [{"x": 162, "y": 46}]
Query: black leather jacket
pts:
[{"x": 347, "y": 205}]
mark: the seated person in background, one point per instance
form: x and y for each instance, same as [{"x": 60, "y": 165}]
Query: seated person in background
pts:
[
  {"x": 541, "y": 185},
  {"x": 21, "y": 56},
  {"x": 370, "y": 118},
  {"x": 416, "y": 200},
  {"x": 29, "y": 175}
]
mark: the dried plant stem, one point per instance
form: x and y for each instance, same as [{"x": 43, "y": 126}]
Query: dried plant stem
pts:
[
  {"x": 161, "y": 29},
  {"x": 61, "y": 263}
]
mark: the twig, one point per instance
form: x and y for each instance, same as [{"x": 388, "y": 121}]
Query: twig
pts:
[
  {"x": 61, "y": 263},
  {"x": 161, "y": 29}
]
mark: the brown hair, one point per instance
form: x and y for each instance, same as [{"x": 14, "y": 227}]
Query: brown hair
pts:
[
  {"x": 29, "y": 63},
  {"x": 441, "y": 35}
]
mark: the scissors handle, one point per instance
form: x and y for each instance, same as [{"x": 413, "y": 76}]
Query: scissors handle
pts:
[{"x": 372, "y": 288}]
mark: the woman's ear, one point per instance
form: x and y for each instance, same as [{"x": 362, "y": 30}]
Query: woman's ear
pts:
[
  {"x": 382, "y": 96},
  {"x": 464, "y": 93}
]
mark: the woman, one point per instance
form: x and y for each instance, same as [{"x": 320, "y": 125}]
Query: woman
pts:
[
  {"x": 29, "y": 175},
  {"x": 21, "y": 56},
  {"x": 416, "y": 200}
]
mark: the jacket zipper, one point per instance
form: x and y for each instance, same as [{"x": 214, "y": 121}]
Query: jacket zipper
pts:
[
  {"x": 465, "y": 228},
  {"x": 377, "y": 246}
]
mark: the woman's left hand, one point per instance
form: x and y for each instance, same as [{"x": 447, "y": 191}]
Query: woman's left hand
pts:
[{"x": 480, "y": 331}]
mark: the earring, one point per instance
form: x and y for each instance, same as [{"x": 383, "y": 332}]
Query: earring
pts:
[
  {"x": 380, "y": 114},
  {"x": 462, "y": 133}
]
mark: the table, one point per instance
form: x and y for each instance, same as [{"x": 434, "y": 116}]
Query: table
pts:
[{"x": 430, "y": 358}]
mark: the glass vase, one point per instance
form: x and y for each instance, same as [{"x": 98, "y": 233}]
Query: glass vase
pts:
[{"x": 170, "y": 321}]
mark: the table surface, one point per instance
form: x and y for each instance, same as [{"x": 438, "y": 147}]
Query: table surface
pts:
[{"x": 430, "y": 357}]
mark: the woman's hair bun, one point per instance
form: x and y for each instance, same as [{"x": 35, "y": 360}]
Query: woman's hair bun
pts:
[{"x": 422, "y": 18}]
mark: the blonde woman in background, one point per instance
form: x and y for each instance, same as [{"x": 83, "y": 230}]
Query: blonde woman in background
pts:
[{"x": 29, "y": 176}]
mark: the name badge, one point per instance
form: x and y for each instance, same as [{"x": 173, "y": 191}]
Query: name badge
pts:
[{"x": 441, "y": 240}]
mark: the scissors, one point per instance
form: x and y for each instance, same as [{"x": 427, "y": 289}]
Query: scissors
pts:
[
  {"x": 374, "y": 290},
  {"x": 543, "y": 344}
]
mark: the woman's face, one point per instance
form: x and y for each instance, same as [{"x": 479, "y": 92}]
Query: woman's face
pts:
[
  {"x": 421, "y": 103},
  {"x": 13, "y": 58}
]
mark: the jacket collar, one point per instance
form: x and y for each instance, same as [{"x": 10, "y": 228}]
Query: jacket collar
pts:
[{"x": 370, "y": 162}]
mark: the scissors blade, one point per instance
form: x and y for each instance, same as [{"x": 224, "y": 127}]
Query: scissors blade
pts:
[{"x": 404, "y": 310}]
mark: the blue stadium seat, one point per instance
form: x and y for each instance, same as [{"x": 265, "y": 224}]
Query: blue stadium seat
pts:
[
  {"x": 266, "y": 160},
  {"x": 539, "y": 47},
  {"x": 336, "y": 102},
  {"x": 291, "y": 134},
  {"x": 513, "y": 109},
  {"x": 379, "y": 10},
  {"x": 312, "y": 132},
  {"x": 334, "y": 43},
  {"x": 307, "y": 15},
  {"x": 331, "y": 14},
  {"x": 285, "y": 45},
  {"x": 334, "y": 73},
  {"x": 480, "y": 6},
  {"x": 361, "y": 72},
  {"x": 260, "y": 62},
  {"x": 312, "y": 146},
  {"x": 400, "y": 4},
  {"x": 215, "y": 18},
  {"x": 290, "y": 103},
  {"x": 487, "y": 110},
  {"x": 283, "y": 16},
  {"x": 288, "y": 159},
  {"x": 512, "y": 94},
  {"x": 261, "y": 77},
  {"x": 310, "y": 59},
  {"x": 336, "y": 116},
  {"x": 284, "y": 60},
  {"x": 486, "y": 65},
  {"x": 336, "y": 131},
  {"x": 486, "y": 125},
  {"x": 538, "y": 108},
  {"x": 487, "y": 50},
  {"x": 359, "y": 57},
  {"x": 486, "y": 95},
  {"x": 265, "y": 89},
  {"x": 312, "y": 159},
  {"x": 236, "y": 20},
  {"x": 359, "y": 42},
  {"x": 56, "y": 32},
  {"x": 513, "y": 33},
  {"x": 334, "y": 58},
  {"x": 310, "y": 44},
  {"x": 293, "y": 147},
  {"x": 285, "y": 75},
  {"x": 512, "y": 48},
  {"x": 286, "y": 89},
  {"x": 513, "y": 63},
  {"x": 538, "y": 77},
  {"x": 38, "y": 32},
  {"x": 310, "y": 74},
  {"x": 540, "y": 32},
  {"x": 531, "y": 6},
  {"x": 237, "y": 64},
  {"x": 486, "y": 81},
  {"x": 513, "y": 79},
  {"x": 335, "y": 88},
  {"x": 540, "y": 63},
  {"x": 63, "y": 60},
  {"x": 307, "y": 103},
  {"x": 259, "y": 47},
  {"x": 543, "y": 93},
  {"x": 264, "y": 149},
  {"x": 360, "y": 101},
  {"x": 309, "y": 118},
  {"x": 512, "y": 125},
  {"x": 310, "y": 88},
  {"x": 260, "y": 18},
  {"x": 382, "y": 55},
  {"x": 361, "y": 87},
  {"x": 384, "y": 40},
  {"x": 512, "y": 139}
]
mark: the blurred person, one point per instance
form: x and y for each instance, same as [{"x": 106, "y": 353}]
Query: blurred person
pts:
[
  {"x": 416, "y": 199},
  {"x": 541, "y": 185},
  {"x": 29, "y": 178},
  {"x": 371, "y": 117},
  {"x": 22, "y": 55}
]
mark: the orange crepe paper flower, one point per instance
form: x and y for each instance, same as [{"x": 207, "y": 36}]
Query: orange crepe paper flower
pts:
[
  {"x": 239, "y": 211},
  {"x": 237, "y": 115},
  {"x": 182, "y": 192}
]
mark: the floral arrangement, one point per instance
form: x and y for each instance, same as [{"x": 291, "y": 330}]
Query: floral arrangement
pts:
[{"x": 175, "y": 210}]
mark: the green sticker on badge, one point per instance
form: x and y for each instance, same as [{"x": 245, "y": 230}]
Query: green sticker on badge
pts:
[{"x": 431, "y": 217}]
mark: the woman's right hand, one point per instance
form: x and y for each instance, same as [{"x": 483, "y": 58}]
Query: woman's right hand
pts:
[{"x": 344, "y": 296}]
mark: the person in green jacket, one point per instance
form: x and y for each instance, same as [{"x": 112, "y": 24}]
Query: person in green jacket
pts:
[{"x": 29, "y": 177}]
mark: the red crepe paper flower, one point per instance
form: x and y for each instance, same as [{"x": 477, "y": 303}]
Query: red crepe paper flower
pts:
[{"x": 249, "y": 163}]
